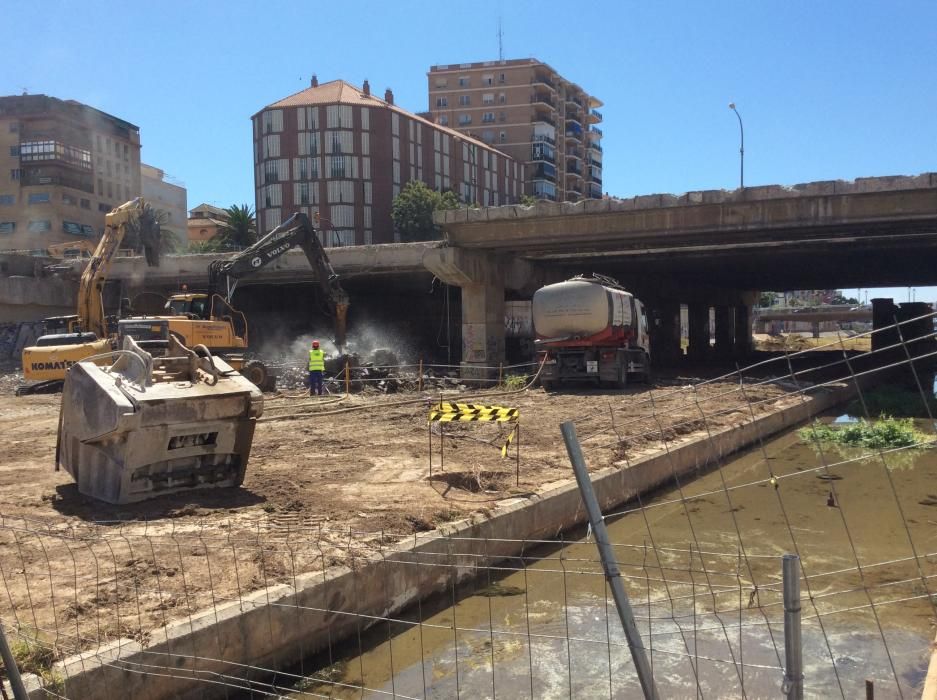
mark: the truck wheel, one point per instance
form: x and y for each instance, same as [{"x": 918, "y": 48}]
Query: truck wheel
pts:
[{"x": 256, "y": 371}]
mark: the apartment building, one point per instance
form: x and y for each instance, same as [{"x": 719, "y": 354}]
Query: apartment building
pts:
[
  {"x": 526, "y": 109},
  {"x": 204, "y": 223},
  {"x": 169, "y": 197},
  {"x": 63, "y": 166},
  {"x": 338, "y": 150}
]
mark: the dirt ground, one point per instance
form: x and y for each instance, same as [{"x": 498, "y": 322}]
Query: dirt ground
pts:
[{"x": 346, "y": 477}]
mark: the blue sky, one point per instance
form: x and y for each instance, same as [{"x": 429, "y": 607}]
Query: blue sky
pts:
[{"x": 827, "y": 90}]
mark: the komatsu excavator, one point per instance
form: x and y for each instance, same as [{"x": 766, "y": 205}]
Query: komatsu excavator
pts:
[
  {"x": 209, "y": 319},
  {"x": 46, "y": 363}
]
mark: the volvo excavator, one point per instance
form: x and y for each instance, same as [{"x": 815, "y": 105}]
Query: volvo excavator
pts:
[
  {"x": 46, "y": 362},
  {"x": 208, "y": 319}
]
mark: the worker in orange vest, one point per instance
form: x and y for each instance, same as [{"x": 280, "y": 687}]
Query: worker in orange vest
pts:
[{"x": 316, "y": 368}]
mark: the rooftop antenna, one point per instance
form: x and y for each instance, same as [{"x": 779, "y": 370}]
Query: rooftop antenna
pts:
[{"x": 500, "y": 42}]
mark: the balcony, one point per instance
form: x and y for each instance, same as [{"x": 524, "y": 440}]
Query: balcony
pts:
[
  {"x": 595, "y": 146},
  {"x": 51, "y": 174},
  {"x": 595, "y": 116},
  {"x": 542, "y": 138},
  {"x": 542, "y": 80},
  {"x": 575, "y": 135},
  {"x": 573, "y": 122},
  {"x": 574, "y": 152},
  {"x": 544, "y": 118},
  {"x": 542, "y": 152},
  {"x": 543, "y": 99},
  {"x": 544, "y": 172},
  {"x": 595, "y": 132},
  {"x": 572, "y": 168},
  {"x": 595, "y": 191}
]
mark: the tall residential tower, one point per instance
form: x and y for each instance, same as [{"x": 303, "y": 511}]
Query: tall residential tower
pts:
[{"x": 526, "y": 109}]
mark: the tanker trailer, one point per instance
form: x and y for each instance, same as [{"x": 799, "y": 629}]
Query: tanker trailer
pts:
[{"x": 590, "y": 329}]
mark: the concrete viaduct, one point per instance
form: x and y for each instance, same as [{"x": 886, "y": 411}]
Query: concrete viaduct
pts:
[{"x": 708, "y": 249}]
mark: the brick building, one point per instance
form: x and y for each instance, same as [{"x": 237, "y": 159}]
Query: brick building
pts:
[
  {"x": 341, "y": 151},
  {"x": 529, "y": 111},
  {"x": 64, "y": 166}
]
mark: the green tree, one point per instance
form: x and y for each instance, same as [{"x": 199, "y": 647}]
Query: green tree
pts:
[
  {"x": 413, "y": 209},
  {"x": 212, "y": 245},
  {"x": 239, "y": 227},
  {"x": 527, "y": 200},
  {"x": 766, "y": 299}
]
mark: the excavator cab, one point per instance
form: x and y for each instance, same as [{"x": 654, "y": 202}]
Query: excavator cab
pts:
[{"x": 189, "y": 305}]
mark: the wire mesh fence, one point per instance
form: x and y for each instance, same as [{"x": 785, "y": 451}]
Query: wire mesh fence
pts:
[{"x": 500, "y": 605}]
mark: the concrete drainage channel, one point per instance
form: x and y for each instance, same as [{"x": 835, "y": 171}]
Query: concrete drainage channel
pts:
[{"x": 276, "y": 626}]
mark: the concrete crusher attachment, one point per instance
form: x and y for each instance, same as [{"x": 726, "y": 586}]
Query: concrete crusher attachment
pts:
[{"x": 153, "y": 424}]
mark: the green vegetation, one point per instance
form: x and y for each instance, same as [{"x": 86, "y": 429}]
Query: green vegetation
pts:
[
  {"x": 515, "y": 381},
  {"x": 893, "y": 401},
  {"x": 527, "y": 200},
  {"x": 885, "y": 433},
  {"x": 35, "y": 656},
  {"x": 413, "y": 209},
  {"x": 145, "y": 234},
  {"x": 239, "y": 228}
]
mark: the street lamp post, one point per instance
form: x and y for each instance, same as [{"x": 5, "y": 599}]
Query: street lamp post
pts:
[{"x": 741, "y": 147}]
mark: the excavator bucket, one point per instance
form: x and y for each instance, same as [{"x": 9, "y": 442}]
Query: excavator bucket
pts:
[{"x": 153, "y": 424}]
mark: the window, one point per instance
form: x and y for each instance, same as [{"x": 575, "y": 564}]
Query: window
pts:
[
  {"x": 443, "y": 120},
  {"x": 271, "y": 146},
  {"x": 308, "y": 143},
  {"x": 7, "y": 200},
  {"x": 104, "y": 207},
  {"x": 100, "y": 186},
  {"x": 39, "y": 198},
  {"x": 337, "y": 166},
  {"x": 273, "y": 195},
  {"x": 39, "y": 226},
  {"x": 307, "y": 118},
  {"x": 464, "y": 81},
  {"x": 339, "y": 142},
  {"x": 110, "y": 191},
  {"x": 126, "y": 152},
  {"x": 502, "y": 98},
  {"x": 69, "y": 199},
  {"x": 15, "y": 174},
  {"x": 395, "y": 124},
  {"x": 305, "y": 193},
  {"x": 7, "y": 226},
  {"x": 341, "y": 191},
  {"x": 86, "y": 204},
  {"x": 87, "y": 230},
  {"x": 465, "y": 119},
  {"x": 442, "y": 82},
  {"x": 71, "y": 227},
  {"x": 14, "y": 127},
  {"x": 440, "y": 102},
  {"x": 365, "y": 144},
  {"x": 488, "y": 136},
  {"x": 465, "y": 100},
  {"x": 273, "y": 121},
  {"x": 501, "y": 79},
  {"x": 14, "y": 151},
  {"x": 504, "y": 136},
  {"x": 488, "y": 79},
  {"x": 488, "y": 117},
  {"x": 338, "y": 117},
  {"x": 488, "y": 98},
  {"x": 368, "y": 192},
  {"x": 305, "y": 168}
]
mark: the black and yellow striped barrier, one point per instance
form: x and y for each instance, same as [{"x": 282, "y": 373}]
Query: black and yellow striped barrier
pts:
[{"x": 449, "y": 412}]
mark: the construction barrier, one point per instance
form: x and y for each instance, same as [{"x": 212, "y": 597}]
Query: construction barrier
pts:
[{"x": 450, "y": 412}]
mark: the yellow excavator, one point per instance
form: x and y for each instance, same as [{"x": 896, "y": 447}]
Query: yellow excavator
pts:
[
  {"x": 208, "y": 319},
  {"x": 46, "y": 362}
]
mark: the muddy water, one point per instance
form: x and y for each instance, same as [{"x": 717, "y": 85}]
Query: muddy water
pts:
[{"x": 713, "y": 620}]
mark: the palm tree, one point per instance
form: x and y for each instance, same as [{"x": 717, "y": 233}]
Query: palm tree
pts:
[{"x": 239, "y": 227}]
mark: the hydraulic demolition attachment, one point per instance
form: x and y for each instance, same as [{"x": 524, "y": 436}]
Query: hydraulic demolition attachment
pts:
[{"x": 151, "y": 424}]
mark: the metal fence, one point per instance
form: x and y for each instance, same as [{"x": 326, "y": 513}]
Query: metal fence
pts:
[{"x": 281, "y": 607}]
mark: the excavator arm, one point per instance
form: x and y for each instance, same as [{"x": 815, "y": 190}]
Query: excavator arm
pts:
[
  {"x": 295, "y": 231},
  {"x": 91, "y": 289}
]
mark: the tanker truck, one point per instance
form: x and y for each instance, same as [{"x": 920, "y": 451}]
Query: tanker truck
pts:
[{"x": 590, "y": 329}]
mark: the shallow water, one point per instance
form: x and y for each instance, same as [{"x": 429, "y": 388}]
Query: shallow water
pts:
[{"x": 550, "y": 630}]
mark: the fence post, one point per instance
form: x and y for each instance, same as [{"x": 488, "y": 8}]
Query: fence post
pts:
[
  {"x": 13, "y": 672},
  {"x": 347, "y": 379},
  {"x": 609, "y": 564},
  {"x": 420, "y": 385},
  {"x": 793, "y": 648}
]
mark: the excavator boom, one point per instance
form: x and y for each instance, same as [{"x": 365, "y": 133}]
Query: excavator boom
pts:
[{"x": 295, "y": 231}]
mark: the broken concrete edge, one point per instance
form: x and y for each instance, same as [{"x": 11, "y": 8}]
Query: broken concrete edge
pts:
[
  {"x": 861, "y": 185},
  {"x": 273, "y": 628}
]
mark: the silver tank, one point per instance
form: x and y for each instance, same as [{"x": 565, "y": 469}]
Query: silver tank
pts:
[{"x": 579, "y": 308}]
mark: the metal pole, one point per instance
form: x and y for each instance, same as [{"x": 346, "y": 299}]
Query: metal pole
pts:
[
  {"x": 13, "y": 672},
  {"x": 741, "y": 147},
  {"x": 609, "y": 564},
  {"x": 793, "y": 647}
]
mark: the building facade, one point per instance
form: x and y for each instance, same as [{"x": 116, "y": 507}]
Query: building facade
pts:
[
  {"x": 338, "y": 150},
  {"x": 64, "y": 166},
  {"x": 529, "y": 111},
  {"x": 167, "y": 197},
  {"x": 204, "y": 222}
]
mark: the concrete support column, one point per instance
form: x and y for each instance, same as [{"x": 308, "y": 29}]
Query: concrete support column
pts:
[
  {"x": 743, "y": 330},
  {"x": 884, "y": 312},
  {"x": 725, "y": 332},
  {"x": 482, "y": 329},
  {"x": 815, "y": 329},
  {"x": 665, "y": 333},
  {"x": 698, "y": 327}
]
